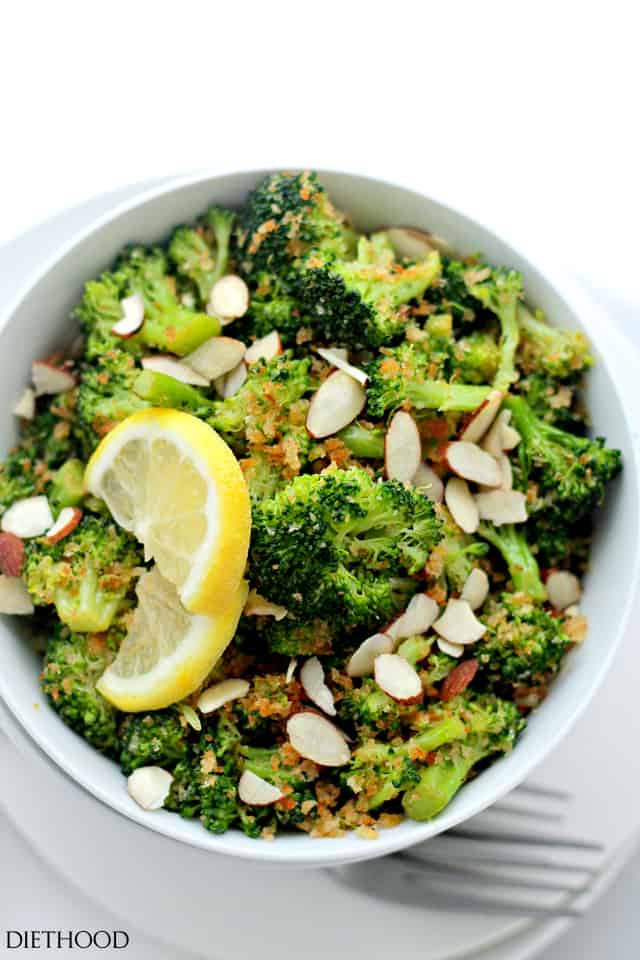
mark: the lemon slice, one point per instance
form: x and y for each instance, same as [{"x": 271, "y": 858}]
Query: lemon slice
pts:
[
  {"x": 168, "y": 651},
  {"x": 174, "y": 483}
]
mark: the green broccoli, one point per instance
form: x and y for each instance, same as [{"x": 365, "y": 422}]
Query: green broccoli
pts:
[
  {"x": 73, "y": 663},
  {"x": 293, "y": 638},
  {"x": 451, "y": 294},
  {"x": 476, "y": 357},
  {"x": 158, "y": 738},
  {"x": 369, "y": 710},
  {"x": 201, "y": 253},
  {"x": 67, "y": 485},
  {"x": 86, "y": 575},
  {"x": 331, "y": 545},
  {"x": 511, "y": 542},
  {"x": 366, "y": 443},
  {"x": 106, "y": 395},
  {"x": 553, "y": 401},
  {"x": 500, "y": 291},
  {"x": 562, "y": 354},
  {"x": 273, "y": 306},
  {"x": 294, "y": 778},
  {"x": 455, "y": 556}
]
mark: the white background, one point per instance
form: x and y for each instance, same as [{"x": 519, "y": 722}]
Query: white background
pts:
[{"x": 525, "y": 114}]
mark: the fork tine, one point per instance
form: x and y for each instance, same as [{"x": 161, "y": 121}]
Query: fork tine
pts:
[
  {"x": 538, "y": 791},
  {"x": 474, "y": 873},
  {"x": 534, "y": 839},
  {"x": 532, "y": 812}
]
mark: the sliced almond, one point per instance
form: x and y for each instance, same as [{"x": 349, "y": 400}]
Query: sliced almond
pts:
[
  {"x": 257, "y": 792},
  {"x": 266, "y": 348},
  {"x": 312, "y": 680},
  {"x": 47, "y": 378},
  {"x": 472, "y": 463},
  {"x": 315, "y": 738},
  {"x": 149, "y": 787},
  {"x": 291, "y": 669},
  {"x": 397, "y": 678},
  {"x": 494, "y": 440},
  {"x": 502, "y": 506},
  {"x": 175, "y": 369},
  {"x": 257, "y": 606},
  {"x": 416, "y": 244},
  {"x": 132, "y": 317},
  {"x": 30, "y": 517},
  {"x": 26, "y": 405},
  {"x": 506, "y": 475},
  {"x": 461, "y": 504},
  {"x": 216, "y": 357},
  {"x": 476, "y": 588},
  {"x": 510, "y": 437},
  {"x": 335, "y": 405},
  {"x": 220, "y": 693},
  {"x": 459, "y": 679},
  {"x": 361, "y": 662},
  {"x": 14, "y": 596},
  {"x": 235, "y": 379},
  {"x": 429, "y": 483},
  {"x": 336, "y": 359},
  {"x": 451, "y": 649},
  {"x": 11, "y": 554},
  {"x": 229, "y": 297},
  {"x": 563, "y": 589},
  {"x": 68, "y": 520},
  {"x": 572, "y": 611},
  {"x": 402, "y": 448},
  {"x": 459, "y": 624},
  {"x": 478, "y": 422},
  {"x": 417, "y": 618}
]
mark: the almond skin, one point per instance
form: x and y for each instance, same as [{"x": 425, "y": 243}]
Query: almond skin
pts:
[
  {"x": 11, "y": 554},
  {"x": 459, "y": 679}
]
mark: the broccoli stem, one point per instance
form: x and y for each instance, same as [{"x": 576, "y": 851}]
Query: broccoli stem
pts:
[
  {"x": 363, "y": 443},
  {"x": 443, "y": 396},
  {"x": 509, "y": 339},
  {"x": 439, "y": 783},
  {"x": 180, "y": 331},
  {"x": 523, "y": 566},
  {"x": 67, "y": 485},
  {"x": 163, "y": 391},
  {"x": 88, "y": 610}
]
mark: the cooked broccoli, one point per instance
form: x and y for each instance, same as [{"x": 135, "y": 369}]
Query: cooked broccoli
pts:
[
  {"x": 273, "y": 306},
  {"x": 331, "y": 545},
  {"x": 370, "y": 710},
  {"x": 67, "y": 485},
  {"x": 523, "y": 642},
  {"x": 401, "y": 376},
  {"x": 270, "y": 701},
  {"x": 293, "y": 638},
  {"x": 87, "y": 575},
  {"x": 558, "y": 544},
  {"x": 553, "y": 401},
  {"x": 476, "y": 357},
  {"x": 366, "y": 443},
  {"x": 158, "y": 738},
  {"x": 500, "y": 292},
  {"x": 571, "y": 472},
  {"x": 73, "y": 663},
  {"x": 294, "y": 778},
  {"x": 562, "y": 354},
  {"x": 511, "y": 541},
  {"x": 456, "y": 555},
  {"x": 451, "y": 294},
  {"x": 201, "y": 253},
  {"x": 362, "y": 301},
  {"x": 106, "y": 395}
]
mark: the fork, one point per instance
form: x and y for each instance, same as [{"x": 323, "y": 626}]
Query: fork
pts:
[{"x": 485, "y": 867}]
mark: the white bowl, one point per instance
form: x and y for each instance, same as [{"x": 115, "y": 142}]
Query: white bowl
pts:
[{"x": 37, "y": 323}]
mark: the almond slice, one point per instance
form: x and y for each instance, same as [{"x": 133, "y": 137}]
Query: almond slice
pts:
[
  {"x": 362, "y": 660},
  {"x": 416, "y": 244},
  {"x": 397, "y": 678},
  {"x": 335, "y": 405},
  {"x": 291, "y": 669},
  {"x": 510, "y": 436},
  {"x": 506, "y": 475},
  {"x": 235, "y": 379},
  {"x": 476, "y": 588},
  {"x": 502, "y": 506},
  {"x": 229, "y": 297},
  {"x": 459, "y": 624},
  {"x": 312, "y": 680},
  {"x": 429, "y": 483},
  {"x": 478, "y": 422},
  {"x": 220, "y": 693},
  {"x": 149, "y": 787},
  {"x": 402, "y": 448},
  {"x": 417, "y": 618},
  {"x": 132, "y": 317},
  {"x": 461, "y": 504},
  {"x": 336, "y": 359},
  {"x": 266, "y": 348},
  {"x": 257, "y": 606},
  {"x": 26, "y": 405},
  {"x": 317, "y": 739},
  {"x": 493, "y": 442},
  {"x": 50, "y": 379},
  {"x": 216, "y": 356},
  {"x": 459, "y": 679},
  {"x": 68, "y": 520},
  {"x": 472, "y": 463},
  {"x": 255, "y": 791},
  {"x": 30, "y": 517},
  {"x": 11, "y": 554},
  {"x": 451, "y": 649},
  {"x": 14, "y": 596},
  {"x": 175, "y": 369},
  {"x": 563, "y": 589}
]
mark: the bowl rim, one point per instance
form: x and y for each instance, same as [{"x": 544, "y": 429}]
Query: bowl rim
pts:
[{"x": 389, "y": 841}]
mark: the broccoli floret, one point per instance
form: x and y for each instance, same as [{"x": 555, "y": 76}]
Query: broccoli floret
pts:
[
  {"x": 106, "y": 395},
  {"x": 87, "y": 575},
  {"x": 476, "y": 357},
  {"x": 273, "y": 306},
  {"x": 270, "y": 701},
  {"x": 401, "y": 376},
  {"x": 363, "y": 301},
  {"x": 451, "y": 294},
  {"x": 560, "y": 545},
  {"x": 73, "y": 663},
  {"x": 511, "y": 542},
  {"x": 500, "y": 291},
  {"x": 67, "y": 485},
  {"x": 553, "y": 401},
  {"x": 571, "y": 472},
  {"x": 331, "y": 545},
  {"x": 523, "y": 642},
  {"x": 292, "y": 638},
  {"x": 456, "y": 555},
  {"x": 201, "y": 253},
  {"x": 562, "y": 354},
  {"x": 294, "y": 778},
  {"x": 370, "y": 710},
  {"x": 157, "y": 738}
]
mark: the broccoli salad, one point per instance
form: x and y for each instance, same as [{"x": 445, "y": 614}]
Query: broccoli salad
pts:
[{"x": 422, "y": 485}]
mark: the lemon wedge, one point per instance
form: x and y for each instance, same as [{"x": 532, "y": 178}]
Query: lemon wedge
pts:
[
  {"x": 168, "y": 651},
  {"x": 169, "y": 479}
]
